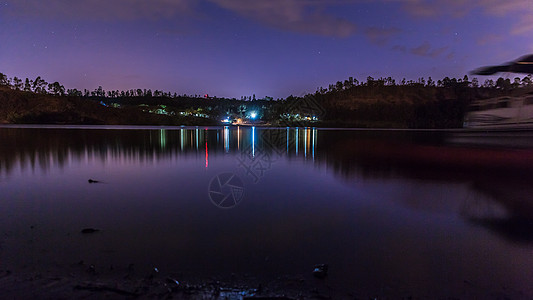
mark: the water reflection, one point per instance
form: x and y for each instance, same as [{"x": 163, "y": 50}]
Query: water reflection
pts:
[
  {"x": 358, "y": 198},
  {"x": 45, "y": 147},
  {"x": 508, "y": 210}
]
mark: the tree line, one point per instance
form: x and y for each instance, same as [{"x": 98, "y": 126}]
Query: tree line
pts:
[
  {"x": 381, "y": 102},
  {"x": 446, "y": 82},
  {"x": 41, "y": 86}
]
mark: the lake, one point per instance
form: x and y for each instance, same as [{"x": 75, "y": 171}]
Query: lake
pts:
[{"x": 393, "y": 213}]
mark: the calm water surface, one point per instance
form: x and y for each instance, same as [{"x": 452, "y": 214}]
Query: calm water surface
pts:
[{"x": 409, "y": 212}]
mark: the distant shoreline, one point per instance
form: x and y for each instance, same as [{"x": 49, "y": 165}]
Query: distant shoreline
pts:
[{"x": 262, "y": 126}]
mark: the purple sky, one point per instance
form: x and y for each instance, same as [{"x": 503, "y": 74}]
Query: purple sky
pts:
[{"x": 272, "y": 48}]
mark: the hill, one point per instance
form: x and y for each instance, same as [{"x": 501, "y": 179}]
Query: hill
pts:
[{"x": 21, "y": 107}]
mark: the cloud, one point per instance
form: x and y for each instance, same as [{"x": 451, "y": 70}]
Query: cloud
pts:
[
  {"x": 399, "y": 48},
  {"x": 99, "y": 9},
  {"x": 292, "y": 15},
  {"x": 315, "y": 17},
  {"x": 425, "y": 50},
  {"x": 380, "y": 36},
  {"x": 520, "y": 10},
  {"x": 489, "y": 39},
  {"x": 309, "y": 16}
]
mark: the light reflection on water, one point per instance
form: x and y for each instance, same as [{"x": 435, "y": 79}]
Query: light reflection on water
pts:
[{"x": 373, "y": 205}]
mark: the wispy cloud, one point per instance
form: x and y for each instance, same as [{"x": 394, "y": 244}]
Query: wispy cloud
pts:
[
  {"x": 520, "y": 10},
  {"x": 292, "y": 15},
  {"x": 489, "y": 39},
  {"x": 425, "y": 49},
  {"x": 99, "y": 9},
  {"x": 380, "y": 36},
  {"x": 316, "y": 17}
]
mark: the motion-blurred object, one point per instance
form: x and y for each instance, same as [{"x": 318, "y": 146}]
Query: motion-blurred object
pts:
[{"x": 521, "y": 65}]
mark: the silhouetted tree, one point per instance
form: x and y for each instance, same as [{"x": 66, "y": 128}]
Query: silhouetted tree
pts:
[
  {"x": 430, "y": 82},
  {"x": 488, "y": 83},
  {"x": 74, "y": 93},
  {"x": 56, "y": 89},
  {"x": 3, "y": 79},
  {"x": 27, "y": 85},
  {"x": 17, "y": 83},
  {"x": 516, "y": 82},
  {"x": 526, "y": 81},
  {"x": 504, "y": 84},
  {"x": 474, "y": 83},
  {"x": 39, "y": 85}
]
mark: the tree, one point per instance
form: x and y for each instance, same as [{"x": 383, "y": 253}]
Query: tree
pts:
[
  {"x": 338, "y": 86},
  {"x": 526, "y": 81},
  {"x": 489, "y": 83},
  {"x": 56, "y": 89},
  {"x": 430, "y": 82},
  {"x": 516, "y": 82},
  {"x": 17, "y": 83},
  {"x": 3, "y": 79},
  {"x": 370, "y": 81},
  {"x": 474, "y": 83},
  {"x": 39, "y": 85},
  {"x": 99, "y": 92},
  {"x": 504, "y": 84},
  {"x": 348, "y": 83},
  {"x": 74, "y": 93},
  {"x": 27, "y": 85},
  {"x": 465, "y": 81}
]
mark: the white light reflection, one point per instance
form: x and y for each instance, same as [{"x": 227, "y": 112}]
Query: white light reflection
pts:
[
  {"x": 163, "y": 138},
  {"x": 306, "y": 130},
  {"x": 253, "y": 141},
  {"x": 182, "y": 136},
  {"x": 226, "y": 138},
  {"x": 196, "y": 139},
  {"x": 288, "y": 133},
  {"x": 296, "y": 141}
]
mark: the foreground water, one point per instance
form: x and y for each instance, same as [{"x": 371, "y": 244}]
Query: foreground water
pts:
[{"x": 391, "y": 212}]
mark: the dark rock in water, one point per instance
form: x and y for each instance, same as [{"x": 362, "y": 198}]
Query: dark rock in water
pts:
[
  {"x": 93, "y": 181},
  {"x": 89, "y": 230},
  {"x": 320, "y": 271}
]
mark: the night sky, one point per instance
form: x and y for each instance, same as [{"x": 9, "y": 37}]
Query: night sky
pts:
[{"x": 232, "y": 48}]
